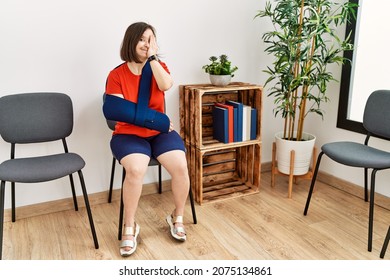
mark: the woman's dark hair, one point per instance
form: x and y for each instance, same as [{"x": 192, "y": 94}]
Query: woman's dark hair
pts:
[{"x": 132, "y": 36}]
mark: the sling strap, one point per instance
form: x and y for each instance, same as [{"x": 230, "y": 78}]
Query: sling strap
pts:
[
  {"x": 119, "y": 109},
  {"x": 143, "y": 94}
]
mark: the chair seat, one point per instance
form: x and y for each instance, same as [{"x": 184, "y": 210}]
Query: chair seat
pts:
[
  {"x": 357, "y": 155},
  {"x": 40, "y": 169},
  {"x": 153, "y": 161}
]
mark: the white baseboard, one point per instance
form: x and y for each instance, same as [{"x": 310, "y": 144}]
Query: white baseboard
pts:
[{"x": 348, "y": 187}]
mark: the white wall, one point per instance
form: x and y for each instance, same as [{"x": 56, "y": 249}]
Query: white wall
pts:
[
  {"x": 327, "y": 131},
  {"x": 70, "y": 46}
]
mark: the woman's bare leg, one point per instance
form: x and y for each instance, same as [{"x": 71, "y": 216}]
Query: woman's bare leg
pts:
[
  {"x": 136, "y": 166},
  {"x": 175, "y": 163}
]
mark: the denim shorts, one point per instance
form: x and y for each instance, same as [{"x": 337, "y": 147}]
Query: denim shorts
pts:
[{"x": 125, "y": 144}]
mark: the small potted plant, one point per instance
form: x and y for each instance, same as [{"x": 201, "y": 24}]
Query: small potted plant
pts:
[{"x": 220, "y": 70}]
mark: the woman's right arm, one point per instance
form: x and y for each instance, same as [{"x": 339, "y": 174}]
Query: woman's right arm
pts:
[{"x": 113, "y": 86}]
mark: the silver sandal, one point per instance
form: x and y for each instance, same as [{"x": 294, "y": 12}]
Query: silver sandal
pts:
[
  {"x": 129, "y": 231},
  {"x": 175, "y": 230}
]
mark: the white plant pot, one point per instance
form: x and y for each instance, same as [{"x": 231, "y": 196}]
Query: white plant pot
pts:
[
  {"x": 303, "y": 153},
  {"x": 220, "y": 80}
]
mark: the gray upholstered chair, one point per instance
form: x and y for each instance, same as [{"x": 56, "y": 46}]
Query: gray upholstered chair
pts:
[
  {"x": 376, "y": 120},
  {"x": 29, "y": 118}
]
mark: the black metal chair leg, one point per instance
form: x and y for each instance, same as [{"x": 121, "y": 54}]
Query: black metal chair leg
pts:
[
  {"x": 313, "y": 180},
  {"x": 123, "y": 175},
  {"x": 121, "y": 208},
  {"x": 2, "y": 194},
  {"x": 88, "y": 209},
  {"x": 371, "y": 211},
  {"x": 13, "y": 202},
  {"x": 159, "y": 179},
  {"x": 366, "y": 184},
  {"x": 111, "y": 179},
  {"x": 193, "y": 207},
  {"x": 76, "y": 207},
  {"x": 120, "y": 220},
  {"x": 385, "y": 244}
]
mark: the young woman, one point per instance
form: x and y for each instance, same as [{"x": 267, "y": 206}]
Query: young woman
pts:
[{"x": 133, "y": 145}]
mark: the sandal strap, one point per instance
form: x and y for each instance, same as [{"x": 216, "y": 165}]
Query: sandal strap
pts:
[
  {"x": 179, "y": 219},
  {"x": 179, "y": 230},
  {"x": 129, "y": 231},
  {"x": 127, "y": 243}
]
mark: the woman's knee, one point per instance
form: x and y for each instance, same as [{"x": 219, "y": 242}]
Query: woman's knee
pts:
[
  {"x": 135, "y": 166},
  {"x": 181, "y": 171},
  {"x": 135, "y": 171}
]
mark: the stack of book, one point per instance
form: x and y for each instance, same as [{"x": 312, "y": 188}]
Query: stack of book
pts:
[{"x": 234, "y": 122}]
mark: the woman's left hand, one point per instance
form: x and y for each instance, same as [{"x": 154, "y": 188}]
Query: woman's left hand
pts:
[{"x": 153, "y": 48}]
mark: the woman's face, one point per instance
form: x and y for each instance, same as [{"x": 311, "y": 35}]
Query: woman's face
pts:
[{"x": 144, "y": 44}]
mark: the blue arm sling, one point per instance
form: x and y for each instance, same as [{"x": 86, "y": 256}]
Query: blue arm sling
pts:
[{"x": 119, "y": 109}]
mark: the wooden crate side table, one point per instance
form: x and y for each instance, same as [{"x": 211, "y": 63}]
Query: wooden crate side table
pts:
[{"x": 218, "y": 170}]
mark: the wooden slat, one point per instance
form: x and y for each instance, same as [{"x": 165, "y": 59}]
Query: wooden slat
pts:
[
  {"x": 257, "y": 166},
  {"x": 197, "y": 120},
  {"x": 213, "y": 178},
  {"x": 221, "y": 155},
  {"x": 183, "y": 109},
  {"x": 227, "y": 193}
]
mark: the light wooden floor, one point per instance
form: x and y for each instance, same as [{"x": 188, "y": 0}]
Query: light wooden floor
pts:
[{"x": 266, "y": 226}]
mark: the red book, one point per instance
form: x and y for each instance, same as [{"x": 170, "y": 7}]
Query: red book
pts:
[{"x": 230, "y": 119}]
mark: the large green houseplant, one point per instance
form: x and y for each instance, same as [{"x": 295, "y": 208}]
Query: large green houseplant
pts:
[{"x": 304, "y": 41}]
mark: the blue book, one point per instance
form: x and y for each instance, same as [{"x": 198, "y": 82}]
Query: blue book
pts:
[
  {"x": 240, "y": 109},
  {"x": 230, "y": 119},
  {"x": 253, "y": 123},
  {"x": 220, "y": 124}
]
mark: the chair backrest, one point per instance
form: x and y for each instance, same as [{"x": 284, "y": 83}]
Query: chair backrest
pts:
[
  {"x": 376, "y": 118},
  {"x": 35, "y": 117}
]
